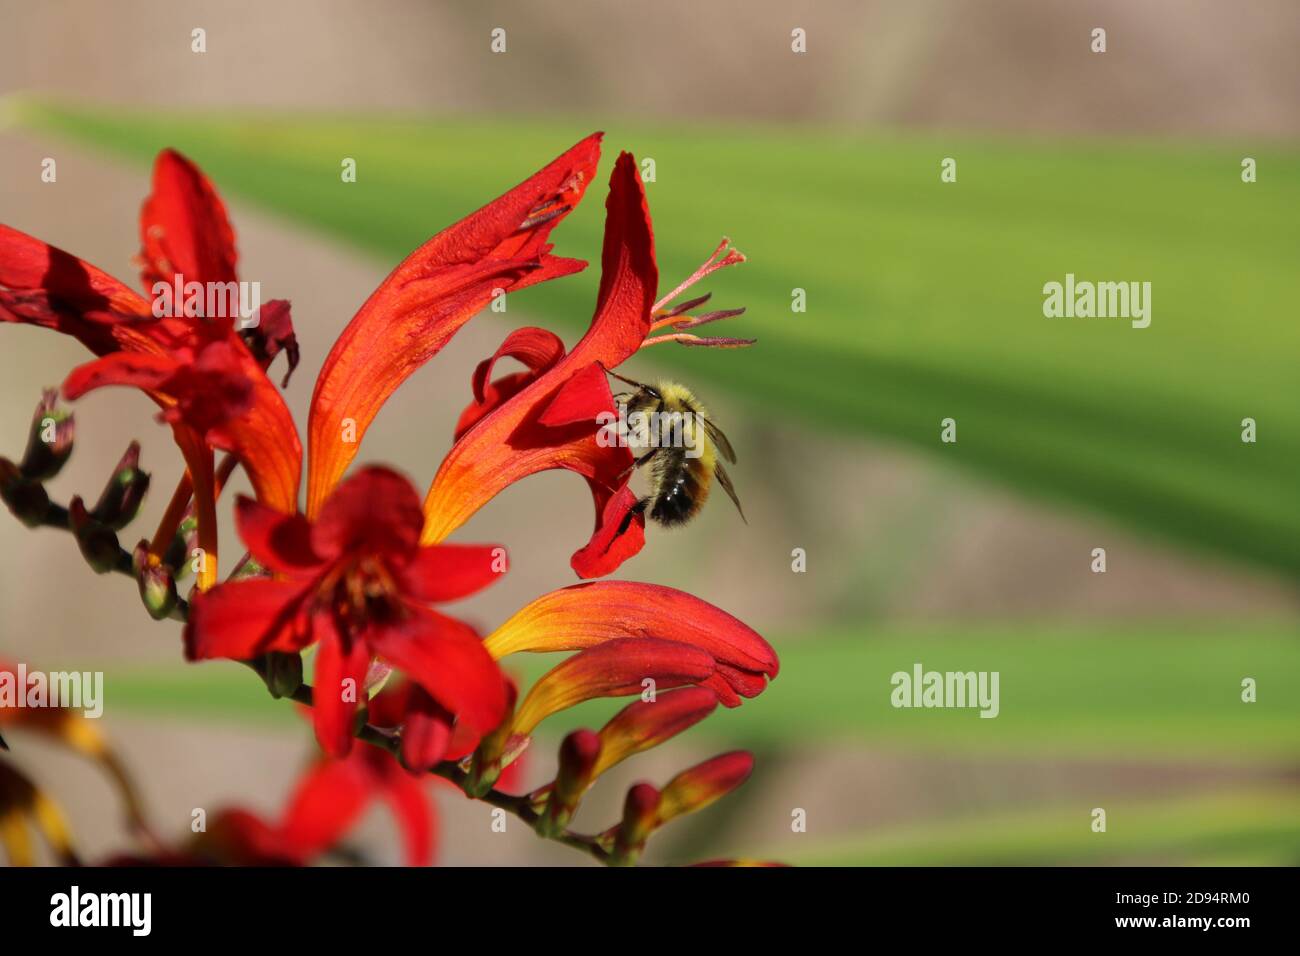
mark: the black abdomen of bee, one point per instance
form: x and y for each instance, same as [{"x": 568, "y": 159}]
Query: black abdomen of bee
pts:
[{"x": 681, "y": 492}]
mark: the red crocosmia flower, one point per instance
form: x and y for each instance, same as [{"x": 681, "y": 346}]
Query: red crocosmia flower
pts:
[
  {"x": 334, "y": 794},
  {"x": 356, "y": 583},
  {"x": 590, "y": 614},
  {"x": 186, "y": 237},
  {"x": 326, "y": 803},
  {"x": 501, "y": 248},
  {"x": 548, "y": 416}
]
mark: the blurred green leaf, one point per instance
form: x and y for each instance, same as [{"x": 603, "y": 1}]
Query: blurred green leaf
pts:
[
  {"x": 924, "y": 299},
  {"x": 1252, "y": 827},
  {"x": 1159, "y": 692}
]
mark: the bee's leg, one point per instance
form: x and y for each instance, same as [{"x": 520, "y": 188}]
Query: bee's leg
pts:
[
  {"x": 637, "y": 509},
  {"x": 637, "y": 463},
  {"x": 624, "y": 380},
  {"x": 639, "y": 386}
]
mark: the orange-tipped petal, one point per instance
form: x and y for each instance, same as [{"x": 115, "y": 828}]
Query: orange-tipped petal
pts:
[
  {"x": 586, "y": 615},
  {"x": 643, "y": 724},
  {"x": 540, "y": 428},
  {"x": 427, "y": 298},
  {"x": 701, "y": 785},
  {"x": 184, "y": 228},
  {"x": 613, "y": 669}
]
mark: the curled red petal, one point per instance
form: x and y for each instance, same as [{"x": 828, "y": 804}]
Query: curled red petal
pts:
[
  {"x": 427, "y": 298},
  {"x": 538, "y": 349}
]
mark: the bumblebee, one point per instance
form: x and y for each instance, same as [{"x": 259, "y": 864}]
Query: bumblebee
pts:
[{"x": 682, "y": 447}]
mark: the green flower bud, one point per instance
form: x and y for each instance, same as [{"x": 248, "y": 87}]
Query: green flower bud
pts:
[
  {"x": 49, "y": 443},
  {"x": 125, "y": 490}
]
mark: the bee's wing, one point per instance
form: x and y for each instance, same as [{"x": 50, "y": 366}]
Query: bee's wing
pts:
[
  {"x": 724, "y": 479},
  {"x": 719, "y": 439}
]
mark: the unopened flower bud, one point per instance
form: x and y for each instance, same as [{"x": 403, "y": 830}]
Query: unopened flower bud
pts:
[
  {"x": 578, "y": 755},
  {"x": 283, "y": 673},
  {"x": 98, "y": 544},
  {"x": 49, "y": 444},
  {"x": 125, "y": 490},
  {"x": 640, "y": 817},
  {"x": 156, "y": 582},
  {"x": 26, "y": 499}
]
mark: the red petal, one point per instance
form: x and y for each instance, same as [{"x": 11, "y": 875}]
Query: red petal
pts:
[
  {"x": 280, "y": 542},
  {"x": 263, "y": 437},
  {"x": 447, "y": 572},
  {"x": 613, "y": 669},
  {"x": 328, "y": 800},
  {"x": 629, "y": 276},
  {"x": 45, "y": 286},
  {"x": 581, "y": 399},
  {"x": 426, "y": 731},
  {"x": 408, "y": 797},
  {"x": 427, "y": 298},
  {"x": 617, "y": 536},
  {"x": 447, "y": 659},
  {"x": 184, "y": 227},
  {"x": 538, "y": 349},
  {"x": 338, "y": 687},
  {"x": 376, "y": 511},
  {"x": 145, "y": 371},
  {"x": 241, "y": 620}
]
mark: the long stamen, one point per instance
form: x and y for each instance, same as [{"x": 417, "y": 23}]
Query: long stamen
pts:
[
  {"x": 686, "y": 338},
  {"x": 723, "y": 256},
  {"x": 676, "y": 318}
]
